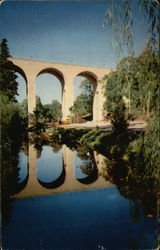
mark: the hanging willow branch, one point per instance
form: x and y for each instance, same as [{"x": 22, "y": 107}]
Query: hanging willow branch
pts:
[{"x": 119, "y": 23}]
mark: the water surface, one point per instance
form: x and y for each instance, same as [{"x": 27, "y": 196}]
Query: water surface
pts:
[{"x": 98, "y": 217}]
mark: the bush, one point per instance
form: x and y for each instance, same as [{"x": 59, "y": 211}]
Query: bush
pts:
[
  {"x": 11, "y": 123},
  {"x": 118, "y": 117}
]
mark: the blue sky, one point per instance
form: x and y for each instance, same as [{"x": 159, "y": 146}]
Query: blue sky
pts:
[{"x": 60, "y": 31}]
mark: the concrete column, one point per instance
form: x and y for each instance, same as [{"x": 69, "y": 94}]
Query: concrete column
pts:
[
  {"x": 98, "y": 102},
  {"x": 101, "y": 100},
  {"x": 31, "y": 93},
  {"x": 67, "y": 97},
  {"x": 68, "y": 159},
  {"x": 32, "y": 159},
  {"x": 95, "y": 103}
]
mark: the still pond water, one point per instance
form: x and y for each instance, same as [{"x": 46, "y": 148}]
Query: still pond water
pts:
[{"x": 64, "y": 202}]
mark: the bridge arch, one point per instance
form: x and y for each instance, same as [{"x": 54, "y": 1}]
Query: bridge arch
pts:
[
  {"x": 20, "y": 71},
  {"x": 65, "y": 73},
  {"x": 55, "y": 80},
  {"x": 55, "y": 72},
  {"x": 22, "y": 87},
  {"x": 93, "y": 79}
]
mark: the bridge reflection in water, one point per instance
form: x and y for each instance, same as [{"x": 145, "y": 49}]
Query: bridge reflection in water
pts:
[{"x": 70, "y": 174}]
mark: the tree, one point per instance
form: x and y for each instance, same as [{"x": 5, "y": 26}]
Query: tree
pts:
[
  {"x": 127, "y": 77},
  {"x": 8, "y": 84},
  {"x": 151, "y": 148},
  {"x": 136, "y": 79},
  {"x": 4, "y": 51},
  {"x": 111, "y": 89},
  {"x": 53, "y": 111},
  {"x": 118, "y": 116},
  {"x": 83, "y": 104},
  {"x": 119, "y": 22},
  {"x": 10, "y": 125},
  {"x": 23, "y": 107},
  {"x": 148, "y": 70},
  {"x": 56, "y": 110}
]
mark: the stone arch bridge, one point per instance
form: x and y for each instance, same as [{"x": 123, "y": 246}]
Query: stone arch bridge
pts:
[{"x": 66, "y": 73}]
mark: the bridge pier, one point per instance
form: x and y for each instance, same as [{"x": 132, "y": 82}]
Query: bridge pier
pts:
[
  {"x": 31, "y": 93},
  {"x": 67, "y": 97}
]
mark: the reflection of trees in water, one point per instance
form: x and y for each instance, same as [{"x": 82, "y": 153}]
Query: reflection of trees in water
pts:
[
  {"x": 39, "y": 147},
  {"x": 56, "y": 147},
  {"x": 83, "y": 152},
  {"x": 87, "y": 156},
  {"x": 24, "y": 148},
  {"x": 87, "y": 166},
  {"x": 134, "y": 210},
  {"x": 130, "y": 183},
  {"x": 9, "y": 176}
]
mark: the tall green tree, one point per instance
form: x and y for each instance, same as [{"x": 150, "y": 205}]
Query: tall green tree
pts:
[
  {"x": 137, "y": 80},
  {"x": 127, "y": 78},
  {"x": 8, "y": 84},
  {"x": 148, "y": 78},
  {"x": 112, "y": 89},
  {"x": 83, "y": 104},
  {"x": 152, "y": 148},
  {"x": 118, "y": 116}
]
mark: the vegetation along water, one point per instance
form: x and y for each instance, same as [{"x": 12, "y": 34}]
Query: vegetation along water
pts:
[{"x": 82, "y": 188}]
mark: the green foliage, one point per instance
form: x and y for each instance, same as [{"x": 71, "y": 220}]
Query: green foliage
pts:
[
  {"x": 48, "y": 112},
  {"x": 148, "y": 75},
  {"x": 9, "y": 175},
  {"x": 118, "y": 117},
  {"x": 112, "y": 88},
  {"x": 136, "y": 80},
  {"x": 83, "y": 104},
  {"x": 4, "y": 51},
  {"x": 89, "y": 138},
  {"x": 68, "y": 136},
  {"x": 44, "y": 114},
  {"x": 151, "y": 148},
  {"x": 8, "y": 84},
  {"x": 11, "y": 129},
  {"x": 119, "y": 22},
  {"x": 53, "y": 111},
  {"x": 23, "y": 112},
  {"x": 106, "y": 142},
  {"x": 11, "y": 124}
]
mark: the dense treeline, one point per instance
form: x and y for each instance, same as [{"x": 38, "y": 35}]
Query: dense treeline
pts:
[
  {"x": 132, "y": 90},
  {"x": 135, "y": 80}
]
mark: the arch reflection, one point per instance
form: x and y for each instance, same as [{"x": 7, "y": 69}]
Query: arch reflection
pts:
[
  {"x": 50, "y": 169},
  {"x": 85, "y": 168},
  {"x": 22, "y": 171},
  {"x": 42, "y": 180}
]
